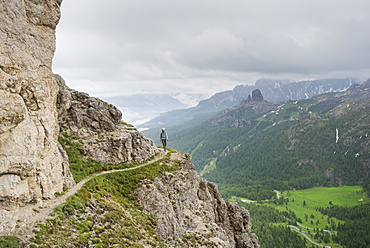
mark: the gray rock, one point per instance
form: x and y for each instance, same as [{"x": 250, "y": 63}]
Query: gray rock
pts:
[
  {"x": 187, "y": 205},
  {"x": 256, "y": 97},
  {"x": 31, "y": 165}
]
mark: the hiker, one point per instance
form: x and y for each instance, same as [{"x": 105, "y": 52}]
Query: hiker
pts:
[{"x": 164, "y": 138}]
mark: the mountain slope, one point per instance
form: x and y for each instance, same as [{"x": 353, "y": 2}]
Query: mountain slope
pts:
[{"x": 261, "y": 146}]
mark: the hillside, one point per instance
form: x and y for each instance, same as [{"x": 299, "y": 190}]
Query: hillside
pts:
[
  {"x": 273, "y": 91},
  {"x": 254, "y": 148}
]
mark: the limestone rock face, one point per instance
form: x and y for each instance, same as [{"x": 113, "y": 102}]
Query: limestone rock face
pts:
[
  {"x": 31, "y": 165},
  {"x": 99, "y": 128},
  {"x": 188, "y": 206}
]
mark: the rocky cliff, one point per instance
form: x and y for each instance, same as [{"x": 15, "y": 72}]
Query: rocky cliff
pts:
[
  {"x": 188, "y": 206},
  {"x": 98, "y": 126},
  {"x": 31, "y": 163}
]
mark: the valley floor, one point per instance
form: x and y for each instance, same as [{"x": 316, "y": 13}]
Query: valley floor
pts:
[{"x": 305, "y": 203}]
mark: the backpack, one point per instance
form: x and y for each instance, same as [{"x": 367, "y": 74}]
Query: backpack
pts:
[{"x": 164, "y": 135}]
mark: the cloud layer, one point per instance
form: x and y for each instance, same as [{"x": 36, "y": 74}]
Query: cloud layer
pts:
[{"x": 115, "y": 47}]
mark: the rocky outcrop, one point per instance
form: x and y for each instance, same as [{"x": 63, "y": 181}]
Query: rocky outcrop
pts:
[
  {"x": 98, "y": 126},
  {"x": 190, "y": 208},
  {"x": 32, "y": 167},
  {"x": 256, "y": 97}
]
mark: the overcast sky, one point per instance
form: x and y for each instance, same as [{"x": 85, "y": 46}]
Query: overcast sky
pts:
[{"x": 116, "y": 47}]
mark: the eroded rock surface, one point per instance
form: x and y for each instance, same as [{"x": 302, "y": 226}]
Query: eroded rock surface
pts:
[
  {"x": 99, "y": 128},
  {"x": 32, "y": 167},
  {"x": 190, "y": 208}
]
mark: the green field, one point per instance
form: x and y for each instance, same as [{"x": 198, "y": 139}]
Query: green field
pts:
[
  {"x": 305, "y": 202},
  {"x": 322, "y": 197}
]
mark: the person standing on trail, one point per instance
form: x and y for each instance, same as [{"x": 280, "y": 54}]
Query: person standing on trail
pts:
[{"x": 164, "y": 138}]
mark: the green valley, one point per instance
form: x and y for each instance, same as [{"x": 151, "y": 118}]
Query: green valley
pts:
[{"x": 309, "y": 211}]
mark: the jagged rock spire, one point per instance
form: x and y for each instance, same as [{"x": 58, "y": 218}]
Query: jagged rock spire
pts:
[{"x": 256, "y": 97}]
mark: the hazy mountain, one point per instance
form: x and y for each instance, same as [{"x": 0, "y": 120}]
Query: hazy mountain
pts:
[
  {"x": 272, "y": 90},
  {"x": 282, "y": 90},
  {"x": 139, "y": 108}
]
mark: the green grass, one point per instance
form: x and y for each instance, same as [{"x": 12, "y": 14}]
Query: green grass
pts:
[
  {"x": 305, "y": 202},
  {"x": 322, "y": 196},
  {"x": 9, "y": 241},
  {"x": 310, "y": 217}
]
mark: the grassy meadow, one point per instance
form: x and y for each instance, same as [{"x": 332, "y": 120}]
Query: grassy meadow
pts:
[
  {"x": 324, "y": 196},
  {"x": 304, "y": 204}
]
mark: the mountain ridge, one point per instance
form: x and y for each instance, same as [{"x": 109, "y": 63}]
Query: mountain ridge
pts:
[{"x": 272, "y": 90}]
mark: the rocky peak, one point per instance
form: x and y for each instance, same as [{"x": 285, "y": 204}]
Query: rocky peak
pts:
[
  {"x": 82, "y": 111},
  {"x": 256, "y": 97}
]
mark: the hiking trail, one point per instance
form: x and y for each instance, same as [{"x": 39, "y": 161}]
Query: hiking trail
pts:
[{"x": 28, "y": 216}]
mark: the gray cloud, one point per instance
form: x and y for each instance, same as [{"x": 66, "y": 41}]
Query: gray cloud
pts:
[{"x": 119, "y": 47}]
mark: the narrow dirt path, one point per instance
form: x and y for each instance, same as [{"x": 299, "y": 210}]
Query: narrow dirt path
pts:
[{"x": 22, "y": 221}]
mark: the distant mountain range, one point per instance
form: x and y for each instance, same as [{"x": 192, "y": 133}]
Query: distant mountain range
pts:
[{"x": 272, "y": 90}]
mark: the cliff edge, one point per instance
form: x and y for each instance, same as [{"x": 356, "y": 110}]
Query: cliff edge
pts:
[{"x": 188, "y": 207}]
